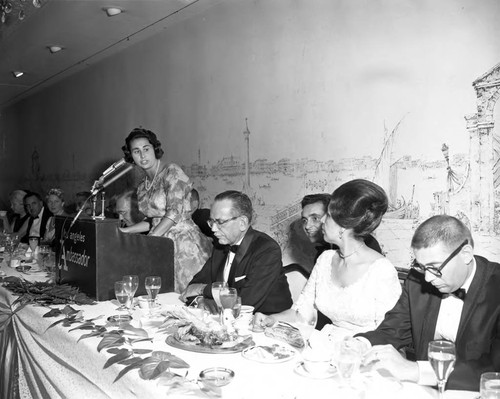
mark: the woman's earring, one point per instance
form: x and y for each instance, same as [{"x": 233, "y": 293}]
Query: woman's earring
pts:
[{"x": 341, "y": 234}]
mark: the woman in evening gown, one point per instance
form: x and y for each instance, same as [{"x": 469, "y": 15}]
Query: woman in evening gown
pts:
[
  {"x": 164, "y": 197},
  {"x": 354, "y": 286}
]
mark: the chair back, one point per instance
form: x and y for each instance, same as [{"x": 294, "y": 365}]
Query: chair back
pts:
[{"x": 297, "y": 277}]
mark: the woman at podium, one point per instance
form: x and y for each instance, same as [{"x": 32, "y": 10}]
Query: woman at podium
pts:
[{"x": 163, "y": 196}]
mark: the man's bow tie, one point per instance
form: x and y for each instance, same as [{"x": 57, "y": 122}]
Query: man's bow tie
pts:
[
  {"x": 35, "y": 217},
  {"x": 460, "y": 293},
  {"x": 232, "y": 248}
]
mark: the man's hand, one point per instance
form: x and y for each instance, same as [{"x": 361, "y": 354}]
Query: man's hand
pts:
[
  {"x": 208, "y": 305},
  {"x": 386, "y": 357},
  {"x": 261, "y": 321},
  {"x": 192, "y": 290}
]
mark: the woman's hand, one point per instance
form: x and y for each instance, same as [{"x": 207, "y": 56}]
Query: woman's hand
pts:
[{"x": 261, "y": 321}]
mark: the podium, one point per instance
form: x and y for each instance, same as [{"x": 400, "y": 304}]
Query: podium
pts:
[{"x": 96, "y": 253}]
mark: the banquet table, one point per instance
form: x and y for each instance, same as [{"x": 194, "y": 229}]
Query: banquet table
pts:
[{"x": 54, "y": 363}]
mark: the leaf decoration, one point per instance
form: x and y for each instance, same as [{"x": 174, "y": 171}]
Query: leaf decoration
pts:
[
  {"x": 174, "y": 361},
  {"x": 55, "y": 323},
  {"x": 53, "y": 313},
  {"x": 87, "y": 325},
  {"x": 68, "y": 310},
  {"x": 130, "y": 360},
  {"x": 132, "y": 366},
  {"x": 97, "y": 332},
  {"x": 142, "y": 351},
  {"x": 109, "y": 340},
  {"x": 138, "y": 332},
  {"x": 120, "y": 356},
  {"x": 152, "y": 368}
]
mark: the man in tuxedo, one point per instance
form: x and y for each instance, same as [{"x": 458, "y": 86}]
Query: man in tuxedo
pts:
[
  {"x": 127, "y": 208},
  {"x": 433, "y": 306},
  {"x": 246, "y": 259},
  {"x": 39, "y": 217}
]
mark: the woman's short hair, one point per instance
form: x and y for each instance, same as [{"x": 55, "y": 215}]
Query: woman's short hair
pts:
[
  {"x": 358, "y": 205},
  {"x": 241, "y": 202},
  {"x": 17, "y": 194},
  {"x": 444, "y": 229},
  {"x": 57, "y": 192},
  {"x": 138, "y": 133}
]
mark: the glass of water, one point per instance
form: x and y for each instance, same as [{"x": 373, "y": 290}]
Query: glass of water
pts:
[
  {"x": 347, "y": 359},
  {"x": 490, "y": 385}
]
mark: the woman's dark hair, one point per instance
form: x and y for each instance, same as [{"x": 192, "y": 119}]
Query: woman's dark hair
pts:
[
  {"x": 358, "y": 205},
  {"x": 138, "y": 133}
]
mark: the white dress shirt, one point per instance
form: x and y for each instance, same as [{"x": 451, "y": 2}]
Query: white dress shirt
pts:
[{"x": 229, "y": 261}]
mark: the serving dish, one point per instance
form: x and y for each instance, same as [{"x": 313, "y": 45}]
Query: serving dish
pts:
[
  {"x": 269, "y": 353},
  {"x": 196, "y": 347}
]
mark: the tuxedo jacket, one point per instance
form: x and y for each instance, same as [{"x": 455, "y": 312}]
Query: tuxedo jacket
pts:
[
  {"x": 256, "y": 273},
  {"x": 46, "y": 214},
  {"x": 413, "y": 319}
]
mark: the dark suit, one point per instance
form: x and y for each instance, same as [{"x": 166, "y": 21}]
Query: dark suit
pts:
[
  {"x": 413, "y": 319},
  {"x": 258, "y": 259},
  {"x": 43, "y": 225}
]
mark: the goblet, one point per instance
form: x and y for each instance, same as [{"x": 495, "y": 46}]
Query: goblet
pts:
[
  {"x": 442, "y": 358},
  {"x": 33, "y": 243},
  {"x": 121, "y": 295},
  {"x": 153, "y": 285},
  {"x": 43, "y": 252},
  {"x": 131, "y": 285},
  {"x": 216, "y": 287},
  {"x": 228, "y": 298}
]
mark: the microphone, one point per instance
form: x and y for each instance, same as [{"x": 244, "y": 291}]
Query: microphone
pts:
[
  {"x": 103, "y": 185},
  {"x": 112, "y": 168}
]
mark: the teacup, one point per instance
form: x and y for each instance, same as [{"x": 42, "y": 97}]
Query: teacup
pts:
[
  {"x": 15, "y": 262},
  {"x": 143, "y": 302},
  {"x": 316, "y": 363}
]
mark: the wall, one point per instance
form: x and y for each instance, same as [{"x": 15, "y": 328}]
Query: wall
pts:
[{"x": 322, "y": 83}]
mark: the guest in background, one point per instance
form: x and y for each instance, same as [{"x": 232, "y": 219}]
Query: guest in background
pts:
[
  {"x": 353, "y": 285},
  {"x": 19, "y": 222},
  {"x": 247, "y": 259},
  {"x": 83, "y": 201},
  {"x": 127, "y": 208},
  {"x": 55, "y": 203},
  {"x": 39, "y": 221},
  {"x": 163, "y": 196},
  {"x": 199, "y": 215}
]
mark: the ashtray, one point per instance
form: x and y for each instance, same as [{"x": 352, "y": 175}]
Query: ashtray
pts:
[
  {"x": 120, "y": 318},
  {"x": 23, "y": 268},
  {"x": 218, "y": 376}
]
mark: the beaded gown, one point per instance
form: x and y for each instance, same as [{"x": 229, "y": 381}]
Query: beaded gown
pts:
[{"x": 168, "y": 196}]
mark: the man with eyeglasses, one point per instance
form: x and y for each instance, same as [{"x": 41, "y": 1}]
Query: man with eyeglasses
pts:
[
  {"x": 247, "y": 259},
  {"x": 450, "y": 294}
]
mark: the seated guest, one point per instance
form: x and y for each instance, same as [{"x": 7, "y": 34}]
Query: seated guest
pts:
[
  {"x": 127, "y": 208},
  {"x": 353, "y": 285},
  {"x": 433, "y": 306},
  {"x": 314, "y": 208},
  {"x": 55, "y": 203},
  {"x": 39, "y": 221},
  {"x": 199, "y": 215},
  {"x": 250, "y": 260},
  {"x": 19, "y": 222}
]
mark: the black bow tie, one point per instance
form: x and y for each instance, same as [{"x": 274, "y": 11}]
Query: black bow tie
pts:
[
  {"x": 460, "y": 293},
  {"x": 35, "y": 217},
  {"x": 232, "y": 248}
]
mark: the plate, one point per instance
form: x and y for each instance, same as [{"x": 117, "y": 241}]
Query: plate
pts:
[
  {"x": 119, "y": 318},
  {"x": 173, "y": 341},
  {"x": 300, "y": 370},
  {"x": 269, "y": 354}
]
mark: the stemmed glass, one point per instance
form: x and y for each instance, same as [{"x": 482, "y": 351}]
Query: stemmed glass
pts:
[
  {"x": 228, "y": 298},
  {"x": 153, "y": 285},
  {"x": 43, "y": 251},
  {"x": 306, "y": 319},
  {"x": 216, "y": 287},
  {"x": 131, "y": 285},
  {"x": 33, "y": 243},
  {"x": 442, "y": 357},
  {"x": 121, "y": 295}
]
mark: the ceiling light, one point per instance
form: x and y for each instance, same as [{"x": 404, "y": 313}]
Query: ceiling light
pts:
[
  {"x": 112, "y": 11},
  {"x": 54, "y": 49},
  {"x": 17, "y": 74}
]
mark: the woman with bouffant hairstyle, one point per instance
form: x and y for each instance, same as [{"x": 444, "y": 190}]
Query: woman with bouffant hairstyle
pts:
[
  {"x": 354, "y": 285},
  {"x": 164, "y": 197}
]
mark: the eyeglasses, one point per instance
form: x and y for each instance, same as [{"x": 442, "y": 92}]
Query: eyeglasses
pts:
[
  {"x": 436, "y": 271},
  {"x": 314, "y": 219},
  {"x": 220, "y": 223}
]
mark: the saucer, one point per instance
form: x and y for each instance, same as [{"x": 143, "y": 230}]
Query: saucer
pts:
[{"x": 300, "y": 370}]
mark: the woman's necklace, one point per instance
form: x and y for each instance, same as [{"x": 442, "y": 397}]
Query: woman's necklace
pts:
[
  {"x": 344, "y": 257},
  {"x": 148, "y": 186}
]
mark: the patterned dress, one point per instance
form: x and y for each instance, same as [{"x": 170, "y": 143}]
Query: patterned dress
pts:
[
  {"x": 168, "y": 196},
  {"x": 359, "y": 307}
]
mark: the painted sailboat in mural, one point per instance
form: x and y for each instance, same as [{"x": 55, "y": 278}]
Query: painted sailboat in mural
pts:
[{"x": 386, "y": 176}]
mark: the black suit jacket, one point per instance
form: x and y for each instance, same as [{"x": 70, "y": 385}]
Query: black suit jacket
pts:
[
  {"x": 256, "y": 273},
  {"x": 413, "y": 319},
  {"x": 43, "y": 225}
]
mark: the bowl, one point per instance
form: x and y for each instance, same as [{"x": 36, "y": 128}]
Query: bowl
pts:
[
  {"x": 218, "y": 376},
  {"x": 143, "y": 302},
  {"x": 23, "y": 268}
]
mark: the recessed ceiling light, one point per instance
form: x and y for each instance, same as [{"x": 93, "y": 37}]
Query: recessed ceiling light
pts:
[
  {"x": 17, "y": 74},
  {"x": 54, "y": 49},
  {"x": 112, "y": 11}
]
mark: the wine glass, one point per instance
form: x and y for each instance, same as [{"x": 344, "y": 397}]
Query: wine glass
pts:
[
  {"x": 131, "y": 285},
  {"x": 216, "y": 287},
  {"x": 121, "y": 295},
  {"x": 43, "y": 251},
  {"x": 347, "y": 359},
  {"x": 33, "y": 243},
  {"x": 442, "y": 358},
  {"x": 306, "y": 318},
  {"x": 153, "y": 285},
  {"x": 228, "y": 298}
]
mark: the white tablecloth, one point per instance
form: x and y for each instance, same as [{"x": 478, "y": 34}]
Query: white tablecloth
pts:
[{"x": 54, "y": 364}]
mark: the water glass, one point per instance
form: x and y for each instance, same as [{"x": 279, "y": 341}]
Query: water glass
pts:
[
  {"x": 216, "y": 287},
  {"x": 490, "y": 385},
  {"x": 121, "y": 295},
  {"x": 33, "y": 243},
  {"x": 131, "y": 286},
  {"x": 152, "y": 285},
  {"x": 442, "y": 357},
  {"x": 228, "y": 298},
  {"x": 347, "y": 359},
  {"x": 305, "y": 320},
  {"x": 43, "y": 252}
]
